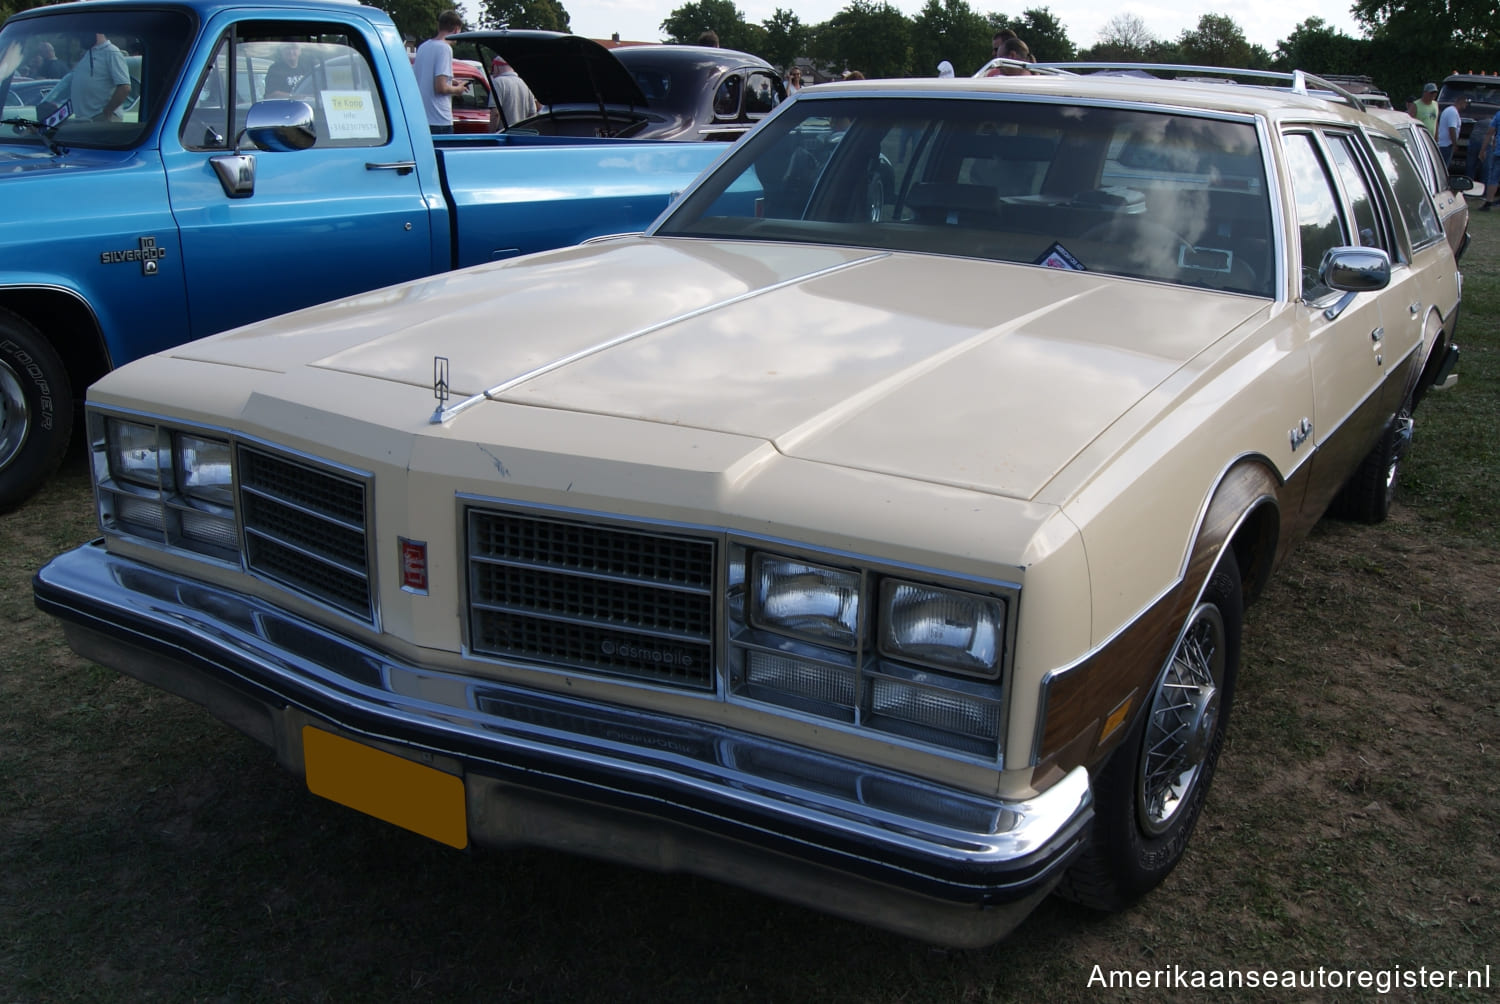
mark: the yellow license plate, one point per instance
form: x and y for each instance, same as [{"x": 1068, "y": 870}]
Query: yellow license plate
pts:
[{"x": 410, "y": 795}]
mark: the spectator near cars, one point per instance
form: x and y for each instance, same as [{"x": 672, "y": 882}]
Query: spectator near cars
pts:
[
  {"x": 812, "y": 572},
  {"x": 1450, "y": 121}
]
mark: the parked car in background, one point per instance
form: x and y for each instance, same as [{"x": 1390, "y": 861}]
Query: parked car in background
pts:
[
  {"x": 883, "y": 549},
  {"x": 1448, "y": 187},
  {"x": 1483, "y": 92},
  {"x": 471, "y": 109},
  {"x": 674, "y": 92}
]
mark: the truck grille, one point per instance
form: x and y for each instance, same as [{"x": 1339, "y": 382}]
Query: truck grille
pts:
[
  {"x": 597, "y": 598},
  {"x": 305, "y": 527}
]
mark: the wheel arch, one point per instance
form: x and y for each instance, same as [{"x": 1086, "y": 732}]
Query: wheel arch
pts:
[{"x": 67, "y": 321}]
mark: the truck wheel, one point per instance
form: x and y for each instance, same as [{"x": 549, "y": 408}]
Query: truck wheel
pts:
[
  {"x": 1150, "y": 794},
  {"x": 1368, "y": 494},
  {"x": 36, "y": 410}
]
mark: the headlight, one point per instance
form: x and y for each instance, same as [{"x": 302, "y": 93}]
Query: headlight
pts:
[
  {"x": 203, "y": 469},
  {"x": 942, "y": 628},
  {"x": 133, "y": 452},
  {"x": 812, "y": 601}
]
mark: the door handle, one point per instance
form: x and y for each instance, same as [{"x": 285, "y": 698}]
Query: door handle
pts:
[
  {"x": 399, "y": 166},
  {"x": 1377, "y": 334}
]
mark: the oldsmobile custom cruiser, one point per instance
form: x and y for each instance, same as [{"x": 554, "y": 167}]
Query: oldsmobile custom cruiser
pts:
[{"x": 873, "y": 532}]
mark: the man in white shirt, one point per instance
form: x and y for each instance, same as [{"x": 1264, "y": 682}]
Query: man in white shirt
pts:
[
  {"x": 511, "y": 101},
  {"x": 433, "y": 66},
  {"x": 97, "y": 86},
  {"x": 1450, "y": 124}
]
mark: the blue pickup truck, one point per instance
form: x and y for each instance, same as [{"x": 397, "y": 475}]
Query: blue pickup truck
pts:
[{"x": 194, "y": 196}]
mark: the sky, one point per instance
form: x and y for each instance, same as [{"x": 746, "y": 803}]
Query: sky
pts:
[{"x": 1264, "y": 22}]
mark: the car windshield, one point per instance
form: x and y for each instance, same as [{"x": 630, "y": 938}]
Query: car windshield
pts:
[
  {"x": 1172, "y": 197},
  {"x": 1484, "y": 94},
  {"x": 94, "y": 79}
]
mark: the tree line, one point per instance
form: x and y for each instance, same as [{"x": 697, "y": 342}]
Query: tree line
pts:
[{"x": 1404, "y": 42}]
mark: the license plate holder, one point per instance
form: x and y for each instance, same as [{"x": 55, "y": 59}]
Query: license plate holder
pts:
[{"x": 403, "y": 792}]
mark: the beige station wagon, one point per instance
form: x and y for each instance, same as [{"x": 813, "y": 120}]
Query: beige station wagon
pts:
[{"x": 875, "y": 532}]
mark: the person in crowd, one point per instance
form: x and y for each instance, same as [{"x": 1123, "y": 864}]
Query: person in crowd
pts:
[
  {"x": 43, "y": 64},
  {"x": 1427, "y": 109},
  {"x": 96, "y": 88},
  {"x": 945, "y": 69},
  {"x": 1450, "y": 125},
  {"x": 709, "y": 38},
  {"x": 1010, "y": 47},
  {"x": 793, "y": 80},
  {"x": 289, "y": 70},
  {"x": 1489, "y": 157},
  {"x": 434, "y": 69},
  {"x": 511, "y": 101}
]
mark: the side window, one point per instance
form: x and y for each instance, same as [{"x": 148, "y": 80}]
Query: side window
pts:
[
  {"x": 1357, "y": 189},
  {"x": 727, "y": 97},
  {"x": 322, "y": 65},
  {"x": 760, "y": 94},
  {"x": 1318, "y": 221},
  {"x": 1413, "y": 200}
]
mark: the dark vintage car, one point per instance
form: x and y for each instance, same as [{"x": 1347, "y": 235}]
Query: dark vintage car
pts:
[{"x": 678, "y": 92}]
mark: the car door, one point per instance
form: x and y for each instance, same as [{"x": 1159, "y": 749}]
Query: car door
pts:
[
  {"x": 1345, "y": 334},
  {"x": 345, "y": 215}
]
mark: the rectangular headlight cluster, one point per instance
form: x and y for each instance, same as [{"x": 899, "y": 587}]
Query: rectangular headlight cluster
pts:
[
  {"x": 166, "y": 485},
  {"x": 875, "y": 648}
]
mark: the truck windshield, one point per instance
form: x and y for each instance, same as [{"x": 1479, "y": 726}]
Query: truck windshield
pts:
[
  {"x": 1174, "y": 198},
  {"x": 95, "y": 79}
]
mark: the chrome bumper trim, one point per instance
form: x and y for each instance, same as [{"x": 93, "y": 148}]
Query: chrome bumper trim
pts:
[{"x": 547, "y": 770}]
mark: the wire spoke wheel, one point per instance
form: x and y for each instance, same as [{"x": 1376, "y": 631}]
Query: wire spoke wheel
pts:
[{"x": 1183, "y": 717}]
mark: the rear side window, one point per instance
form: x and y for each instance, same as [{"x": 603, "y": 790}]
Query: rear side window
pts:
[
  {"x": 1413, "y": 200},
  {"x": 324, "y": 66}
]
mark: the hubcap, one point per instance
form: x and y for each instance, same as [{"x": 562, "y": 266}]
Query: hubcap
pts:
[
  {"x": 1183, "y": 720},
  {"x": 15, "y": 416}
]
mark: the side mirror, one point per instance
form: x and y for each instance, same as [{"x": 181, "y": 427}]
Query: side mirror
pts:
[
  {"x": 279, "y": 126},
  {"x": 1355, "y": 269},
  {"x": 1459, "y": 184}
]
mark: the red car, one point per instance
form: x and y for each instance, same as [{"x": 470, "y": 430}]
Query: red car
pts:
[{"x": 471, "y": 109}]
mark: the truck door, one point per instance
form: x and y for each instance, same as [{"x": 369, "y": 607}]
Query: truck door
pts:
[{"x": 343, "y": 216}]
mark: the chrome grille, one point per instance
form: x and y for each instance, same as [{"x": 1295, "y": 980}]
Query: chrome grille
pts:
[
  {"x": 598, "y": 598},
  {"x": 305, "y": 527}
]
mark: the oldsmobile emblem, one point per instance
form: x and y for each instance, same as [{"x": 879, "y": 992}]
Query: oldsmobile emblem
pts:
[{"x": 148, "y": 254}]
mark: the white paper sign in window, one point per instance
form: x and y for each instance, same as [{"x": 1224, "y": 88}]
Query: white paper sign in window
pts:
[{"x": 351, "y": 115}]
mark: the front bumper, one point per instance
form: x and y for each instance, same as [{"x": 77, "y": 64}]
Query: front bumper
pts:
[{"x": 623, "y": 785}]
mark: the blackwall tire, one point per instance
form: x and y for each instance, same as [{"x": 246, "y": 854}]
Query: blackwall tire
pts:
[
  {"x": 1370, "y": 492},
  {"x": 36, "y": 410},
  {"x": 1149, "y": 796}
]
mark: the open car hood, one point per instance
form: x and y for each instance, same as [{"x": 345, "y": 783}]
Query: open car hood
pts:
[{"x": 560, "y": 69}]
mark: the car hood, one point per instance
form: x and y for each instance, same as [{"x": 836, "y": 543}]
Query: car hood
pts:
[
  {"x": 983, "y": 375},
  {"x": 559, "y": 69}
]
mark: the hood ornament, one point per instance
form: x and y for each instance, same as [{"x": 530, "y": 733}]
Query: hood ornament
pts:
[{"x": 440, "y": 387}]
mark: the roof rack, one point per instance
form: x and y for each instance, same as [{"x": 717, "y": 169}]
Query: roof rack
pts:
[
  {"x": 1041, "y": 69},
  {"x": 1297, "y": 81}
]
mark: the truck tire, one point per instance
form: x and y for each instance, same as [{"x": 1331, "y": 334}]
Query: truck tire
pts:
[
  {"x": 36, "y": 410},
  {"x": 1149, "y": 795}
]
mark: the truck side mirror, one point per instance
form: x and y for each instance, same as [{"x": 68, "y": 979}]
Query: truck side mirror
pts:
[{"x": 279, "y": 126}]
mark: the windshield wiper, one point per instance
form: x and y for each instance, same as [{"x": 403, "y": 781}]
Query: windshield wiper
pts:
[{"x": 45, "y": 132}]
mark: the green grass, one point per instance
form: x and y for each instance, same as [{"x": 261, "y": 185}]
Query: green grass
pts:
[{"x": 146, "y": 852}]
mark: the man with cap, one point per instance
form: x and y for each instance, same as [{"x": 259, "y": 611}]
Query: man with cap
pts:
[
  {"x": 433, "y": 65},
  {"x": 1427, "y": 109},
  {"x": 511, "y": 100}
]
